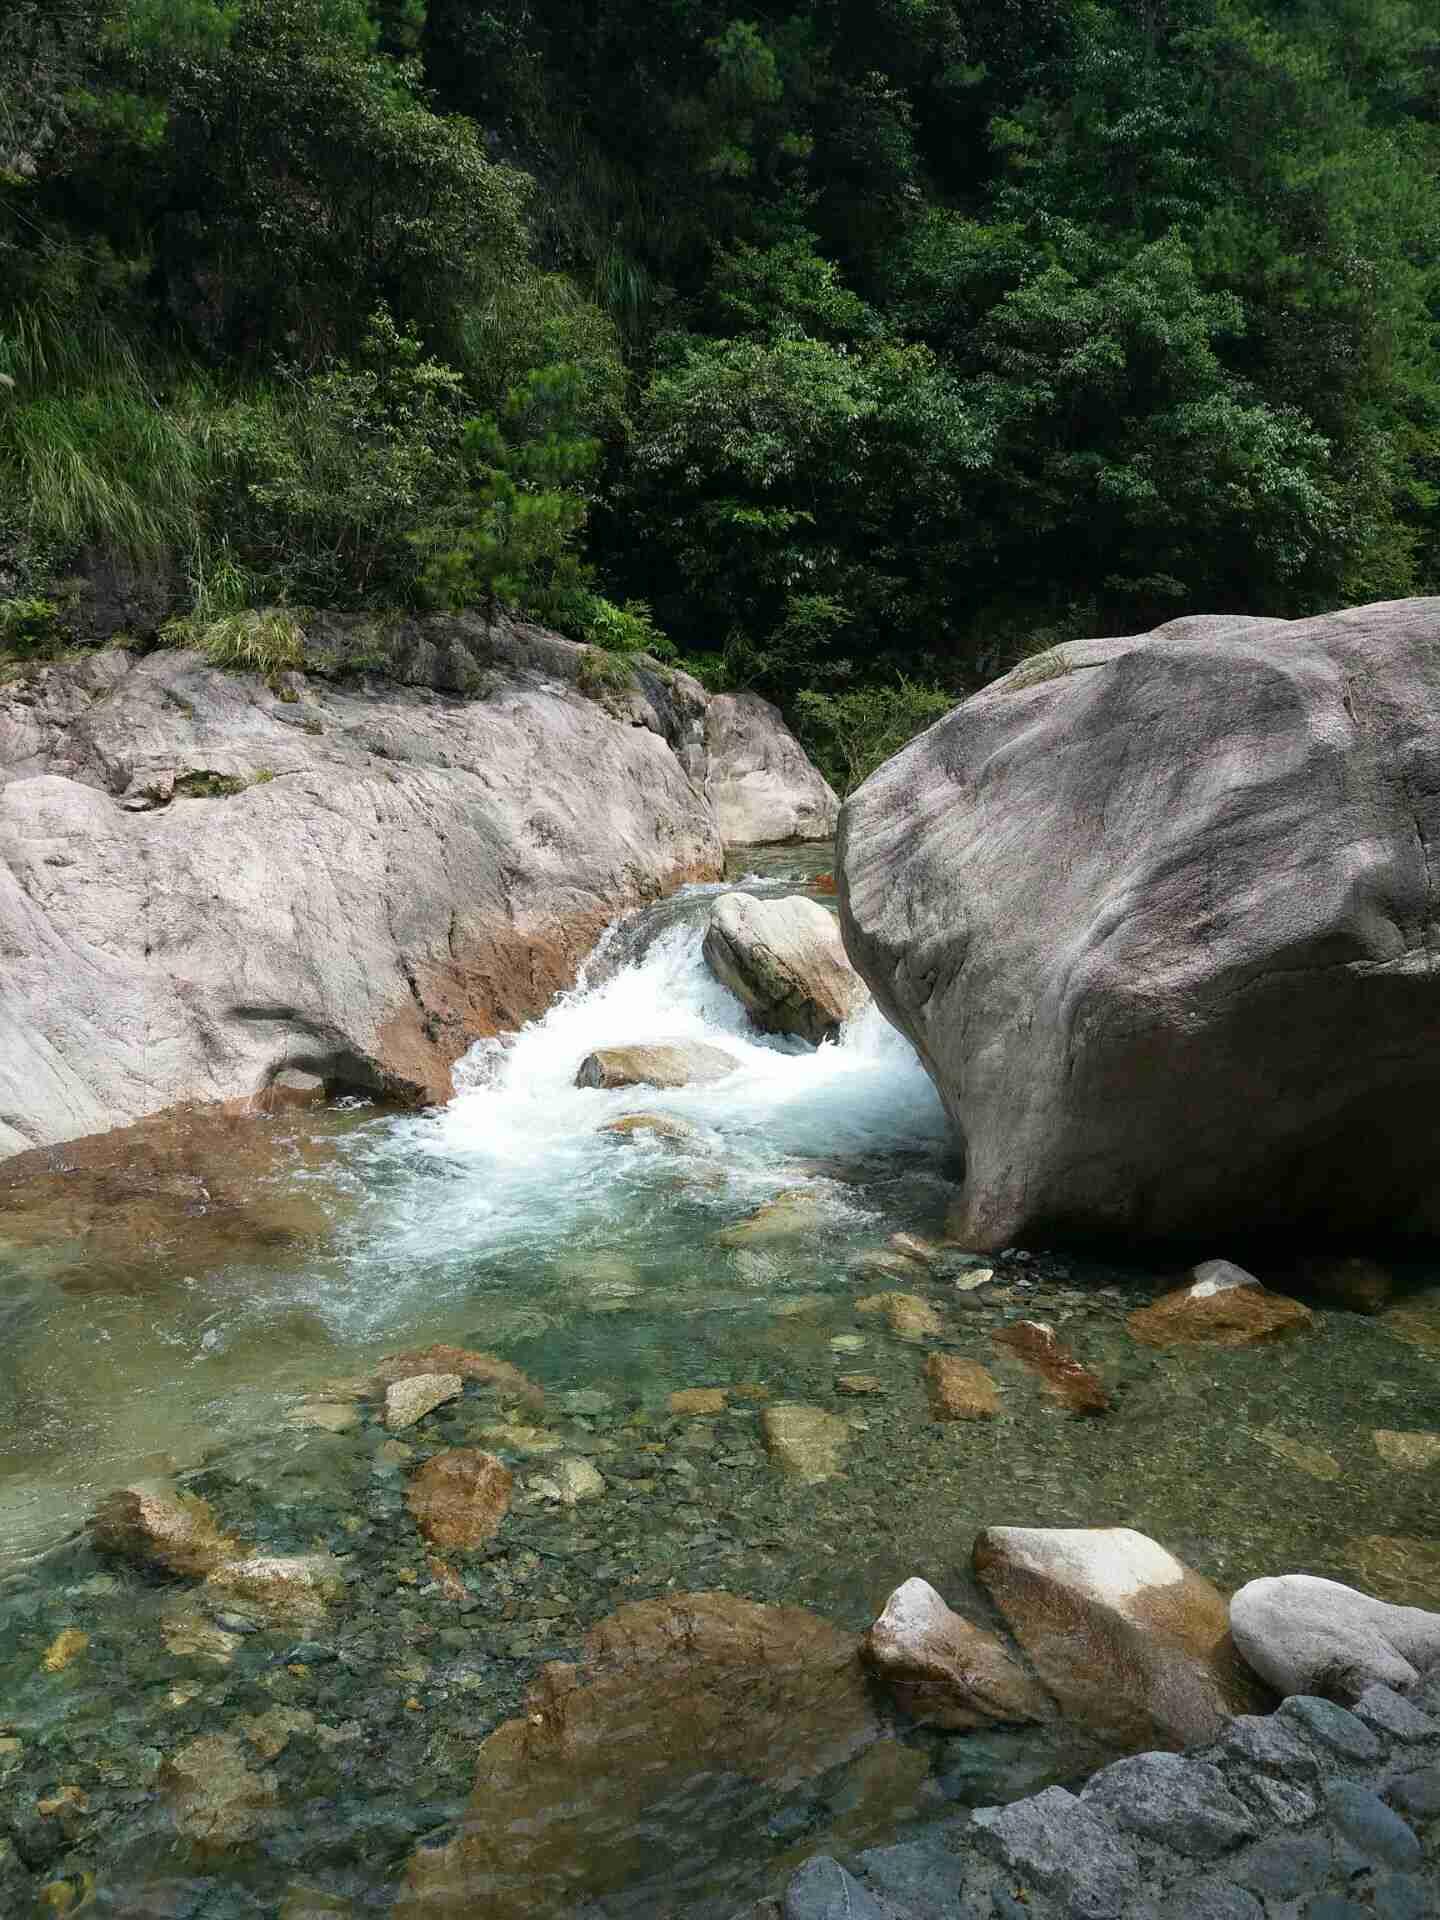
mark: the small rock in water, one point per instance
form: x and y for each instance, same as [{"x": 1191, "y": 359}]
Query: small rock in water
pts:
[
  {"x": 1064, "y": 1377},
  {"x": 188, "y": 1635},
  {"x": 785, "y": 963},
  {"x": 459, "y": 1498},
  {"x": 157, "y": 1527},
  {"x": 1222, "y": 1306},
  {"x": 67, "y": 1645},
  {"x": 651, "y": 1126},
  {"x": 1312, "y": 1460},
  {"x": 214, "y": 1797},
  {"x": 409, "y": 1400},
  {"x": 909, "y": 1317},
  {"x": 916, "y": 1247},
  {"x": 884, "y": 1263},
  {"x": 1179, "y": 1802},
  {"x": 272, "y": 1731},
  {"x": 943, "y": 1671},
  {"x": 692, "y": 1400},
  {"x": 823, "y": 1890},
  {"x": 858, "y": 1383},
  {"x": 960, "y": 1389},
  {"x": 577, "y": 1481},
  {"x": 805, "y": 1442},
  {"x": 275, "y": 1590},
  {"x": 485, "y": 1368},
  {"x": 1411, "y": 1452},
  {"x": 681, "y": 1063},
  {"x": 796, "y": 1210},
  {"x": 848, "y": 1343},
  {"x": 324, "y": 1412},
  {"x": 974, "y": 1279}
]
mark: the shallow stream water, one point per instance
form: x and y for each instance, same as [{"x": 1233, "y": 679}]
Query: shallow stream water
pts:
[{"x": 168, "y": 1297}]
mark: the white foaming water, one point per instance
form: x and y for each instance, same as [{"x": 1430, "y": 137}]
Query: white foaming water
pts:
[{"x": 528, "y": 1164}]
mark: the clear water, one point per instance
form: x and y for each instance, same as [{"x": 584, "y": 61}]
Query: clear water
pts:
[{"x": 168, "y": 1295}]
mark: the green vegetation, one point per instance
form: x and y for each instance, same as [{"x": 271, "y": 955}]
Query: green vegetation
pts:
[{"x": 853, "y": 350}]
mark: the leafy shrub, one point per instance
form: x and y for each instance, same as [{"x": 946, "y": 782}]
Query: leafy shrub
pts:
[
  {"x": 850, "y": 734},
  {"x": 31, "y": 628}
]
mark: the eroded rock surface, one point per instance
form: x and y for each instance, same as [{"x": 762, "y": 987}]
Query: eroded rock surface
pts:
[
  {"x": 1130, "y": 1641},
  {"x": 1159, "y": 915},
  {"x": 1311, "y": 1636},
  {"x": 785, "y": 963}
]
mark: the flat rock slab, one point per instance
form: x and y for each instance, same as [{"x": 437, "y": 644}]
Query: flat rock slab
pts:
[
  {"x": 805, "y": 1442},
  {"x": 410, "y": 1399},
  {"x": 459, "y": 1497},
  {"x": 944, "y": 1671},
  {"x": 785, "y": 963},
  {"x": 1131, "y": 1642},
  {"x": 1056, "y": 1844},
  {"x": 660, "y": 1063},
  {"x": 1306, "y": 1635}
]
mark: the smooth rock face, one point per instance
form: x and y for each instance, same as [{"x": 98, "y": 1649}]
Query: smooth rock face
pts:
[
  {"x": 1311, "y": 1636},
  {"x": 771, "y": 1693},
  {"x": 1131, "y": 1642},
  {"x": 758, "y": 782},
  {"x": 459, "y": 1497},
  {"x": 381, "y": 876},
  {"x": 942, "y": 1670},
  {"x": 679, "y": 1063},
  {"x": 155, "y": 1526},
  {"x": 1183, "y": 873},
  {"x": 785, "y": 963}
]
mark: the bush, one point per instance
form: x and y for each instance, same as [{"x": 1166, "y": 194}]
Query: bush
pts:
[{"x": 850, "y": 734}]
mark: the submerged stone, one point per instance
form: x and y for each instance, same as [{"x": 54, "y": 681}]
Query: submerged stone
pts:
[
  {"x": 960, "y": 1389},
  {"x": 276, "y": 1590},
  {"x": 907, "y": 1315},
  {"x": 1222, "y": 1306},
  {"x": 1064, "y": 1377},
  {"x": 1410, "y": 1452},
  {"x": 805, "y": 1442},
  {"x": 215, "y": 1798},
  {"x": 944, "y": 1671},
  {"x": 459, "y": 1497},
  {"x": 156, "y": 1527},
  {"x": 409, "y": 1400},
  {"x": 796, "y": 1210},
  {"x": 679, "y": 1063}
]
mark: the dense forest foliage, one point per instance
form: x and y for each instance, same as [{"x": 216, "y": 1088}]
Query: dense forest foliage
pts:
[{"x": 847, "y": 349}]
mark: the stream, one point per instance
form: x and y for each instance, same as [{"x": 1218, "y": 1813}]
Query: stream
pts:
[{"x": 175, "y": 1298}]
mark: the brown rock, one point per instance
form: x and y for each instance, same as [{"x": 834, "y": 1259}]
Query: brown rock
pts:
[
  {"x": 915, "y": 1247},
  {"x": 1419, "y": 1325},
  {"x": 1065, "y": 1379},
  {"x": 67, "y": 1645},
  {"x": 188, "y": 1635},
  {"x": 796, "y": 1210},
  {"x": 214, "y": 1797},
  {"x": 1364, "y": 1286},
  {"x": 942, "y": 1670},
  {"x": 858, "y": 1383},
  {"x": 909, "y": 1317},
  {"x": 272, "y": 1731},
  {"x": 1131, "y": 1643},
  {"x": 156, "y": 1527},
  {"x": 805, "y": 1442},
  {"x": 409, "y": 1400},
  {"x": 276, "y": 1590},
  {"x": 698, "y": 1400},
  {"x": 460, "y": 1497},
  {"x": 671, "y": 1690},
  {"x": 682, "y": 1063},
  {"x": 960, "y": 1389},
  {"x": 487, "y": 1368},
  {"x": 1312, "y": 1460},
  {"x": 1222, "y": 1306}
]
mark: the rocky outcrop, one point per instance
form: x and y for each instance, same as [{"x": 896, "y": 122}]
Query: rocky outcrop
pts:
[
  {"x": 212, "y": 882},
  {"x": 757, "y": 778},
  {"x": 1131, "y": 1642},
  {"x": 1159, "y": 915},
  {"x": 1307, "y": 1635},
  {"x": 785, "y": 963}
]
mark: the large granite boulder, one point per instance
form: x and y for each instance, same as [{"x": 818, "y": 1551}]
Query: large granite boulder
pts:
[
  {"x": 785, "y": 963},
  {"x": 1313, "y": 1636},
  {"x": 757, "y": 778},
  {"x": 212, "y": 880},
  {"x": 1159, "y": 915}
]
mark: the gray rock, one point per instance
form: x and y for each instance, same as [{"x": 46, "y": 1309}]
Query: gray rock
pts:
[
  {"x": 1391, "y": 1713},
  {"x": 1197, "y": 858},
  {"x": 1183, "y": 1804},
  {"x": 656, "y": 1063},
  {"x": 1374, "y": 1830},
  {"x": 1274, "y": 1745},
  {"x": 1333, "y": 1727},
  {"x": 1417, "y": 1793},
  {"x": 1281, "y": 1800},
  {"x": 756, "y": 778},
  {"x": 922, "y": 1876},
  {"x": 1335, "y": 1906},
  {"x": 1284, "y": 1866},
  {"x": 1201, "y": 1900},
  {"x": 1405, "y": 1896},
  {"x": 1064, "y": 1848},
  {"x": 785, "y": 963},
  {"x": 823, "y": 1890},
  {"x": 1307, "y": 1635}
]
